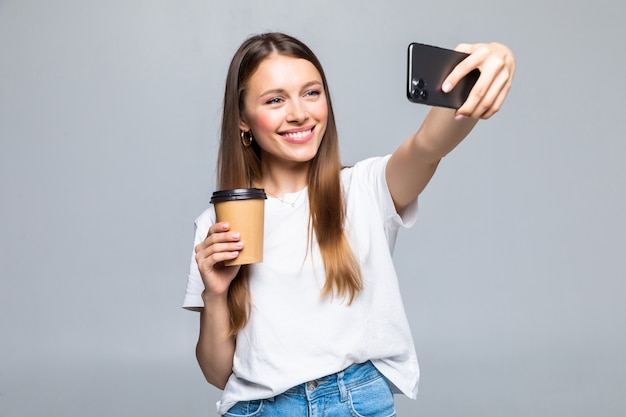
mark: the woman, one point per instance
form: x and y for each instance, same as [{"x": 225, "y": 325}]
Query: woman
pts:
[{"x": 318, "y": 327}]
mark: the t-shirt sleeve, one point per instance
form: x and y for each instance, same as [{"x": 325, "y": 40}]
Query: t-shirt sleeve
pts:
[
  {"x": 404, "y": 218},
  {"x": 195, "y": 286},
  {"x": 369, "y": 199},
  {"x": 372, "y": 171}
]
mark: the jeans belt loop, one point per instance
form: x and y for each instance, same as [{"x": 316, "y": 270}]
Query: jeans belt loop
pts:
[{"x": 342, "y": 387}]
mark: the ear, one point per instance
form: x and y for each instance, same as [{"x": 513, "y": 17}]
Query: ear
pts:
[{"x": 243, "y": 126}]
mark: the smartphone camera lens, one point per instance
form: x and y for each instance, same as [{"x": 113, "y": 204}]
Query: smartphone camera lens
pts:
[
  {"x": 424, "y": 95},
  {"x": 418, "y": 83}
]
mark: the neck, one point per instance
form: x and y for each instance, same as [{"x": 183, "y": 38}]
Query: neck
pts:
[{"x": 282, "y": 179}]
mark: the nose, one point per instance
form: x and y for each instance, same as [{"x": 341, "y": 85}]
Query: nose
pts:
[{"x": 297, "y": 112}]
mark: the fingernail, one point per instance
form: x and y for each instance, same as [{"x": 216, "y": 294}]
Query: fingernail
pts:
[
  {"x": 460, "y": 117},
  {"x": 236, "y": 235},
  {"x": 446, "y": 87}
]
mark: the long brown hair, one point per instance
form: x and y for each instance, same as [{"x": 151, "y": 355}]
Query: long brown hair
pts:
[{"x": 240, "y": 167}]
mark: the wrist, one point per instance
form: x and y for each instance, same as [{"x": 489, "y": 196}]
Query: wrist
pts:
[{"x": 211, "y": 298}]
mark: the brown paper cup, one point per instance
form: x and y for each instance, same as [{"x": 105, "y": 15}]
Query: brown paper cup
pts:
[{"x": 244, "y": 210}]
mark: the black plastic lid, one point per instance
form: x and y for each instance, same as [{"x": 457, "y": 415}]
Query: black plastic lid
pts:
[{"x": 238, "y": 194}]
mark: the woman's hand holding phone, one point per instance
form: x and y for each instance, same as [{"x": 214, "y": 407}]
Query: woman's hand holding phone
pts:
[
  {"x": 496, "y": 64},
  {"x": 472, "y": 79}
]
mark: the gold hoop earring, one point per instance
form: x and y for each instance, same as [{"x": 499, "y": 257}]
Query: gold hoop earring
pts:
[{"x": 246, "y": 140}]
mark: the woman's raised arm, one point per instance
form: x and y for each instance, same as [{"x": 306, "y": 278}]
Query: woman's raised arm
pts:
[{"x": 413, "y": 164}]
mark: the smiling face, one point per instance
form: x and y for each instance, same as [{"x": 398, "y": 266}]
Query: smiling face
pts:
[{"x": 286, "y": 110}]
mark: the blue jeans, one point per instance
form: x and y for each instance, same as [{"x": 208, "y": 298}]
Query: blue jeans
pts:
[{"x": 358, "y": 391}]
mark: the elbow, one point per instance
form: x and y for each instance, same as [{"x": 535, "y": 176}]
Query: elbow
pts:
[
  {"x": 215, "y": 376},
  {"x": 219, "y": 384},
  {"x": 428, "y": 152}
]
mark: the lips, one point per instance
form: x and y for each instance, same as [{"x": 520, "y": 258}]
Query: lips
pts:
[{"x": 298, "y": 136}]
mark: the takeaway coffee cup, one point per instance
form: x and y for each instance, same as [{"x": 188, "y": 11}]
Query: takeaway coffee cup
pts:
[{"x": 244, "y": 210}]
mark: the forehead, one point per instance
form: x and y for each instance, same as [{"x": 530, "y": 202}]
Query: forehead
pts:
[{"x": 279, "y": 71}]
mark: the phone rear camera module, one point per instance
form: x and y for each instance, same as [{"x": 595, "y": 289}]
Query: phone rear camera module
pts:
[{"x": 418, "y": 91}]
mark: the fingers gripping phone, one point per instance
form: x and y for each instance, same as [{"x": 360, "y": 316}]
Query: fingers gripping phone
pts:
[{"x": 428, "y": 67}]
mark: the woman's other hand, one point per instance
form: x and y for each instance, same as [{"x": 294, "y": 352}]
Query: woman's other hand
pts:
[{"x": 220, "y": 245}]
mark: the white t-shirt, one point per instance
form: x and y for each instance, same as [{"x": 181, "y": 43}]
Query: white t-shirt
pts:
[{"x": 294, "y": 335}]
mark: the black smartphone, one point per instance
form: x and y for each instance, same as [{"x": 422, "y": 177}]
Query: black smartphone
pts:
[{"x": 428, "y": 67}]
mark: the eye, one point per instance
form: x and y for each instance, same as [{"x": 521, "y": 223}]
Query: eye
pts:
[
  {"x": 313, "y": 93},
  {"x": 275, "y": 100}
]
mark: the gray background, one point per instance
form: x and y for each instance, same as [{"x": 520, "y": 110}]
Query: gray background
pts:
[{"x": 513, "y": 277}]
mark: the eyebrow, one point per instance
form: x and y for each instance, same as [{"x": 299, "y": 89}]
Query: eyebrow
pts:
[{"x": 281, "y": 90}]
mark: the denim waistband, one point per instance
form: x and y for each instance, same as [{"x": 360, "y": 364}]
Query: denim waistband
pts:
[{"x": 353, "y": 376}]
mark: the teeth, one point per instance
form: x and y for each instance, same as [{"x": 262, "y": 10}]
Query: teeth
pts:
[{"x": 298, "y": 135}]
